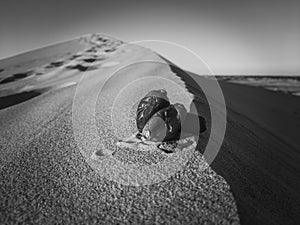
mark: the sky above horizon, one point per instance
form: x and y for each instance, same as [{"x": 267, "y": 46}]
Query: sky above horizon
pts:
[{"x": 232, "y": 37}]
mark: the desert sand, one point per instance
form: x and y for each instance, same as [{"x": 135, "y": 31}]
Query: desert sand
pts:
[{"x": 47, "y": 177}]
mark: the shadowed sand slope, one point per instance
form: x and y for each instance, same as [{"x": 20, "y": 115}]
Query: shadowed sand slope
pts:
[{"x": 260, "y": 156}]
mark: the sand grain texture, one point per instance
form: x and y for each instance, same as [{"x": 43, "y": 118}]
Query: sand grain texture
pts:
[{"x": 46, "y": 178}]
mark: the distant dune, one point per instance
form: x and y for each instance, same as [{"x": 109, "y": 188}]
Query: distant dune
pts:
[
  {"x": 45, "y": 177},
  {"x": 285, "y": 84}
]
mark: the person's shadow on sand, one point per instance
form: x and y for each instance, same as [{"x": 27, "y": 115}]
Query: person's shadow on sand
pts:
[{"x": 194, "y": 123}]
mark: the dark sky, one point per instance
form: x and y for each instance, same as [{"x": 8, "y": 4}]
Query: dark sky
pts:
[{"x": 233, "y": 37}]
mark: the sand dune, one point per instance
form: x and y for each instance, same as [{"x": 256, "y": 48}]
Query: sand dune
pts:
[
  {"x": 47, "y": 177},
  {"x": 44, "y": 171}
]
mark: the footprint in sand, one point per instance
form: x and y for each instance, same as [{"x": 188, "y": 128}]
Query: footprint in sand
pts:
[
  {"x": 93, "y": 58},
  {"x": 102, "y": 39},
  {"x": 101, "y": 155},
  {"x": 92, "y": 49},
  {"x": 17, "y": 98},
  {"x": 16, "y": 76},
  {"x": 90, "y": 60},
  {"x": 110, "y": 50},
  {"x": 81, "y": 68},
  {"x": 55, "y": 64}
]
